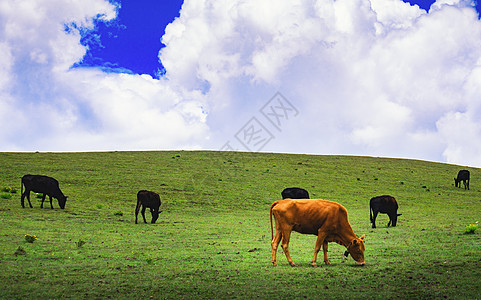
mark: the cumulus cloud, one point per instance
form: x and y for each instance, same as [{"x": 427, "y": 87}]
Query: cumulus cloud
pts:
[
  {"x": 368, "y": 77},
  {"x": 48, "y": 105}
]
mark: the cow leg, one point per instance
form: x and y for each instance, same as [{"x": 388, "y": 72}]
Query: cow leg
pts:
[
  {"x": 286, "y": 236},
  {"x": 143, "y": 214},
  {"x": 274, "y": 244},
  {"x": 320, "y": 242},
  {"x": 324, "y": 249},
  {"x": 22, "y": 199},
  {"x": 43, "y": 199},
  {"x": 28, "y": 198},
  {"x": 374, "y": 215},
  {"x": 316, "y": 251},
  {"x": 392, "y": 217},
  {"x": 51, "y": 205}
]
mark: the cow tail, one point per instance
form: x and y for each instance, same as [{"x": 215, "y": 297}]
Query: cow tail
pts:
[
  {"x": 137, "y": 207},
  {"x": 272, "y": 229},
  {"x": 21, "y": 186},
  {"x": 370, "y": 213}
]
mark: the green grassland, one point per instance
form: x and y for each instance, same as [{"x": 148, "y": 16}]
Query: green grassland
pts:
[{"x": 212, "y": 239}]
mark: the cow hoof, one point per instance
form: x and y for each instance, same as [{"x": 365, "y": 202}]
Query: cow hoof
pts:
[
  {"x": 293, "y": 265},
  {"x": 314, "y": 265}
]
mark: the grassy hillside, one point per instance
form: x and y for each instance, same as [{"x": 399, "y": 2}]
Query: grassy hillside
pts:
[{"x": 213, "y": 237}]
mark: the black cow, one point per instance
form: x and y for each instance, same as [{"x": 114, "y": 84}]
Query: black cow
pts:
[
  {"x": 148, "y": 199},
  {"x": 294, "y": 193},
  {"x": 463, "y": 176},
  {"x": 386, "y": 205},
  {"x": 42, "y": 184}
]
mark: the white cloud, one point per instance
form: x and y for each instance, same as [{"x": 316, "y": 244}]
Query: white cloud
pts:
[
  {"x": 47, "y": 105},
  {"x": 374, "y": 77},
  {"x": 461, "y": 133},
  {"x": 369, "y": 77},
  {"x": 395, "y": 14}
]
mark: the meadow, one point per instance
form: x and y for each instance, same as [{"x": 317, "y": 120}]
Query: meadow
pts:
[{"x": 212, "y": 239}]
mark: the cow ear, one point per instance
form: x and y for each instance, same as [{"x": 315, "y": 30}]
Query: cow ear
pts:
[{"x": 362, "y": 237}]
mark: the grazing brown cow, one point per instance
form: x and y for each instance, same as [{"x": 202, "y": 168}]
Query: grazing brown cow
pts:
[{"x": 326, "y": 219}]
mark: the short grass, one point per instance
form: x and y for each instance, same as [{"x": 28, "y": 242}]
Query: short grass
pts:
[{"x": 212, "y": 239}]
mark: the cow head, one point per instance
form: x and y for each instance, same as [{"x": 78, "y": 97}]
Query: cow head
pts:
[
  {"x": 394, "y": 219},
  {"x": 62, "y": 201},
  {"x": 155, "y": 215},
  {"x": 456, "y": 182},
  {"x": 356, "y": 249}
]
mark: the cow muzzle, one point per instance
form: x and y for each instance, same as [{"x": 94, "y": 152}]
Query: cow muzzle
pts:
[{"x": 346, "y": 254}]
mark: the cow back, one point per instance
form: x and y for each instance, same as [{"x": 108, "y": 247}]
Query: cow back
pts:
[
  {"x": 295, "y": 193},
  {"x": 384, "y": 204},
  {"x": 149, "y": 199}
]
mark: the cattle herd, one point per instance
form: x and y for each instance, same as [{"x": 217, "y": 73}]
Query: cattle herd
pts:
[{"x": 296, "y": 212}]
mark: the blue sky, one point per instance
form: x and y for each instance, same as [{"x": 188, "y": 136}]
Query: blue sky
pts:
[
  {"x": 354, "y": 77},
  {"x": 133, "y": 40}
]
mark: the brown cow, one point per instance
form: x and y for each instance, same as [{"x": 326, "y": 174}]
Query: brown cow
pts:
[{"x": 326, "y": 219}]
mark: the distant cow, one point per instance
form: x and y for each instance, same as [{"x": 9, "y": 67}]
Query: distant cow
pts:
[
  {"x": 148, "y": 199},
  {"x": 295, "y": 193},
  {"x": 42, "y": 184},
  {"x": 328, "y": 220},
  {"x": 463, "y": 176},
  {"x": 386, "y": 205}
]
